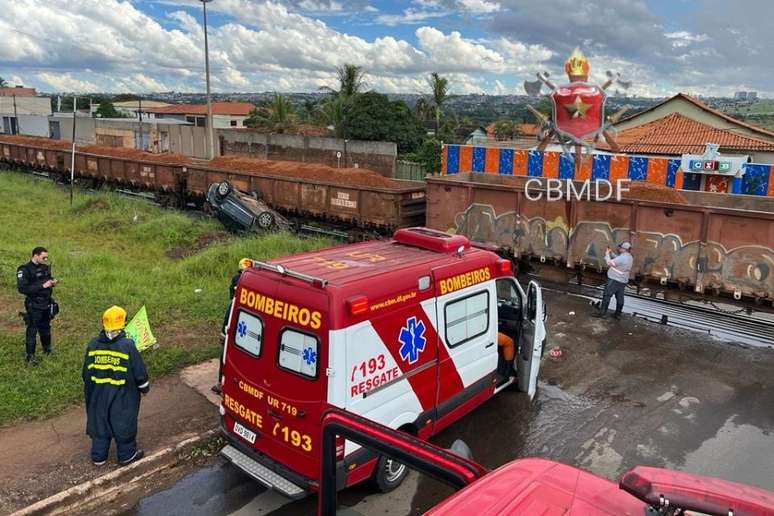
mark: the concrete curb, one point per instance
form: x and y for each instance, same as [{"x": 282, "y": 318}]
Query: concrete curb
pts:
[{"x": 117, "y": 480}]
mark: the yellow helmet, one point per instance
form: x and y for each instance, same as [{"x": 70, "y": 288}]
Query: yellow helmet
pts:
[
  {"x": 114, "y": 318},
  {"x": 245, "y": 263}
]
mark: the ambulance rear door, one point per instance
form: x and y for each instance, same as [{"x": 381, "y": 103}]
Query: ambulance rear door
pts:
[
  {"x": 533, "y": 336},
  {"x": 276, "y": 384}
]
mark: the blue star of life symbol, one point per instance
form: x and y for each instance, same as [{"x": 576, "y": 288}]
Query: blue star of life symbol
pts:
[
  {"x": 412, "y": 338},
  {"x": 242, "y": 328},
  {"x": 310, "y": 356}
]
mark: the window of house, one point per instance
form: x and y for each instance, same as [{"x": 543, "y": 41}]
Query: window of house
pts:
[
  {"x": 249, "y": 333},
  {"x": 299, "y": 352},
  {"x": 233, "y": 123},
  {"x": 466, "y": 318}
]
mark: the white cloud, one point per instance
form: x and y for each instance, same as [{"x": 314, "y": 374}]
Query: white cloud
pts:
[
  {"x": 479, "y": 6},
  {"x": 65, "y": 82},
  {"x": 410, "y": 16}
]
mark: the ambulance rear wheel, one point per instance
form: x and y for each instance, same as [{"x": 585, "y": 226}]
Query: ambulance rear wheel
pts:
[{"x": 388, "y": 474}]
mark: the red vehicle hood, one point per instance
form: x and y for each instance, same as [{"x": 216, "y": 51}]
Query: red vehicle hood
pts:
[{"x": 540, "y": 487}]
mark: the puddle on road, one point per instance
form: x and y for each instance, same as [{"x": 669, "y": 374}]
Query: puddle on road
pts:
[
  {"x": 735, "y": 453},
  {"x": 217, "y": 489}
]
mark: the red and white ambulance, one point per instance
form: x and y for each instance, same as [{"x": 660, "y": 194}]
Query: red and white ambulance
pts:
[{"x": 403, "y": 332}]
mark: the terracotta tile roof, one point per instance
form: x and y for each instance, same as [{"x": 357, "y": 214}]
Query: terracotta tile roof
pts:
[
  {"x": 677, "y": 134},
  {"x": 218, "y": 108},
  {"x": 696, "y": 102},
  {"x": 524, "y": 129},
  {"x": 19, "y": 92}
]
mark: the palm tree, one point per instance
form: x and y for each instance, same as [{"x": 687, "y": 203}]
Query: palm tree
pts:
[
  {"x": 351, "y": 81},
  {"x": 276, "y": 114},
  {"x": 424, "y": 109},
  {"x": 333, "y": 111},
  {"x": 439, "y": 90}
]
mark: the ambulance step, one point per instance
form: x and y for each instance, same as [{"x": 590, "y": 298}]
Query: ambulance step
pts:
[{"x": 263, "y": 474}]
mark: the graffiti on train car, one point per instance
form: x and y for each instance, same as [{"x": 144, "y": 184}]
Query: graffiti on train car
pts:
[{"x": 747, "y": 270}]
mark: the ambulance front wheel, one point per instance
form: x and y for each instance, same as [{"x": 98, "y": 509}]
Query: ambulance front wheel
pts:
[{"x": 388, "y": 474}]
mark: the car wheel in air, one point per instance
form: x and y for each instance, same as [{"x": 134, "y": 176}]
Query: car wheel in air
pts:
[{"x": 224, "y": 189}]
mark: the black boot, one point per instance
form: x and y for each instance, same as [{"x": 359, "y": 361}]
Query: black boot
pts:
[
  {"x": 32, "y": 360},
  {"x": 599, "y": 313},
  {"x": 617, "y": 315}
]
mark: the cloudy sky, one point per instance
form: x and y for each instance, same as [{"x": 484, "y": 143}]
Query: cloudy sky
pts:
[{"x": 710, "y": 47}]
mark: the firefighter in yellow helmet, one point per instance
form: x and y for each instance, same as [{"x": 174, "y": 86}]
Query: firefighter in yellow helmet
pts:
[
  {"x": 244, "y": 263},
  {"x": 114, "y": 377}
]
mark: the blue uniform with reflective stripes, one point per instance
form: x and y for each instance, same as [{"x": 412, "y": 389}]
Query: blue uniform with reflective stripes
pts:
[{"x": 114, "y": 376}]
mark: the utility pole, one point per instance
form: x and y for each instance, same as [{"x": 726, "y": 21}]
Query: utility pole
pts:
[
  {"x": 210, "y": 133},
  {"x": 15, "y": 125},
  {"x": 72, "y": 160},
  {"x": 139, "y": 123}
]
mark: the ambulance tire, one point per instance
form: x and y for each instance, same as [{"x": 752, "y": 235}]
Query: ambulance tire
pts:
[{"x": 388, "y": 474}]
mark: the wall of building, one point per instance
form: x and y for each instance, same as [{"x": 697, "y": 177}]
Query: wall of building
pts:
[
  {"x": 334, "y": 152},
  {"x": 25, "y": 105},
  {"x": 85, "y": 127},
  {"x": 224, "y": 121},
  {"x": 187, "y": 139},
  {"x": 33, "y": 125}
]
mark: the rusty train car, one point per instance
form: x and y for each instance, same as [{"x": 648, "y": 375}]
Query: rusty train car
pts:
[
  {"x": 705, "y": 249},
  {"x": 724, "y": 245},
  {"x": 178, "y": 184}
]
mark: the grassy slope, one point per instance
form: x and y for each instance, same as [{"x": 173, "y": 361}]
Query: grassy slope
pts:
[{"x": 112, "y": 250}]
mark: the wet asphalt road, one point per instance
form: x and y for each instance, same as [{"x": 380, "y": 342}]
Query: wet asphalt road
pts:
[{"x": 622, "y": 393}]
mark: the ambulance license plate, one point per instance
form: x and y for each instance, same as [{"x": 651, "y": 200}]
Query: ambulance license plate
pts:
[{"x": 247, "y": 435}]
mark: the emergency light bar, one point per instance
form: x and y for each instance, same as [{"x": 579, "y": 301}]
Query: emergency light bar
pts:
[{"x": 279, "y": 269}]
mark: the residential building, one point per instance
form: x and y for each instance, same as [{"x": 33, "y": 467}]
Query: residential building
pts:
[
  {"x": 129, "y": 108},
  {"x": 22, "y": 111},
  {"x": 695, "y": 109},
  {"x": 224, "y": 114}
]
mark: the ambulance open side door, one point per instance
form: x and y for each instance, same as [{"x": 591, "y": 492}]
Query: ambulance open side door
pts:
[{"x": 533, "y": 336}]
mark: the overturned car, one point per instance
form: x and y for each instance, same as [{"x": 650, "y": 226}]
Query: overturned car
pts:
[{"x": 239, "y": 211}]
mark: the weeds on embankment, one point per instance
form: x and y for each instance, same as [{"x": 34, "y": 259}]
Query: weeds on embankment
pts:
[{"x": 107, "y": 249}]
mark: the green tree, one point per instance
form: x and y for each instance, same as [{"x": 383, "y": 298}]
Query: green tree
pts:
[
  {"x": 505, "y": 129},
  {"x": 106, "y": 109},
  {"x": 3, "y": 83},
  {"x": 439, "y": 91},
  {"x": 372, "y": 116},
  {"x": 275, "y": 114},
  {"x": 333, "y": 113},
  {"x": 351, "y": 81},
  {"x": 429, "y": 154}
]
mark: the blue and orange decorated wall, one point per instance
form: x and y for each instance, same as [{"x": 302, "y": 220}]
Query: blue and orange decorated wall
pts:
[{"x": 757, "y": 180}]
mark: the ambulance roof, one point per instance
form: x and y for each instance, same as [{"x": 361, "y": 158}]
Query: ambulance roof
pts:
[{"x": 354, "y": 263}]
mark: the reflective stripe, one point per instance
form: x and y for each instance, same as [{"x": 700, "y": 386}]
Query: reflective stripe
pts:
[
  {"x": 97, "y": 352},
  {"x": 143, "y": 385},
  {"x": 107, "y": 366},
  {"x": 111, "y": 381}
]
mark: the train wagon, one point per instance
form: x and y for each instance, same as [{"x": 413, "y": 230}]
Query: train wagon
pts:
[
  {"x": 177, "y": 180},
  {"x": 388, "y": 208},
  {"x": 708, "y": 249}
]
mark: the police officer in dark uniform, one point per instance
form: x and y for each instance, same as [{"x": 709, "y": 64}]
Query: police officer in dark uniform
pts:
[
  {"x": 114, "y": 378},
  {"x": 33, "y": 279}
]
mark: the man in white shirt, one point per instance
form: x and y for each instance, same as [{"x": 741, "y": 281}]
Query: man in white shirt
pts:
[{"x": 619, "y": 267}]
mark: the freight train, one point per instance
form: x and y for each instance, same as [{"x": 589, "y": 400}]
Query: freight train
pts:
[{"x": 715, "y": 245}]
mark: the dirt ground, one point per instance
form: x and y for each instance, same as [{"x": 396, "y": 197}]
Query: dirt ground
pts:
[{"x": 41, "y": 458}]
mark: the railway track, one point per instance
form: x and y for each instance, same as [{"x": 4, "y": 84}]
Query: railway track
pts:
[{"x": 746, "y": 327}]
